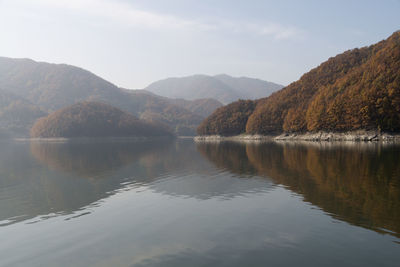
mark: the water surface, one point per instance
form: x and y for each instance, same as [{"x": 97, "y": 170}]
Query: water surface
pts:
[{"x": 178, "y": 203}]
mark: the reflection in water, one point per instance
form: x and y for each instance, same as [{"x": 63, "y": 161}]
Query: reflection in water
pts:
[
  {"x": 176, "y": 203},
  {"x": 358, "y": 183},
  {"x": 229, "y": 156},
  {"x": 50, "y": 178},
  {"x": 93, "y": 159},
  {"x": 143, "y": 163},
  {"x": 64, "y": 177}
]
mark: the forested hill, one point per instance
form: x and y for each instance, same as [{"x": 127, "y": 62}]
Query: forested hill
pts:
[
  {"x": 358, "y": 89},
  {"x": 93, "y": 119}
]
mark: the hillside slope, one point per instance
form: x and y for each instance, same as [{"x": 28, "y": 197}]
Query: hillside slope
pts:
[
  {"x": 53, "y": 86},
  {"x": 17, "y": 115},
  {"x": 203, "y": 106},
  {"x": 358, "y": 89}
]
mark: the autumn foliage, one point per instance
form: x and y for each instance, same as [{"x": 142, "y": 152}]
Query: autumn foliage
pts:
[{"x": 359, "y": 89}]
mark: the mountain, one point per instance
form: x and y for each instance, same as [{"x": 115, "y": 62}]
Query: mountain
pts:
[
  {"x": 93, "y": 119},
  {"x": 356, "y": 90},
  {"x": 53, "y": 86},
  {"x": 224, "y": 88}
]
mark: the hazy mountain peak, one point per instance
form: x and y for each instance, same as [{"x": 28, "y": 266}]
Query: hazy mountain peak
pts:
[{"x": 222, "y": 87}]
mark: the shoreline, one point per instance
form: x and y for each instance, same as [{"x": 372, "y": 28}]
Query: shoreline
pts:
[
  {"x": 93, "y": 139},
  {"x": 352, "y": 136}
]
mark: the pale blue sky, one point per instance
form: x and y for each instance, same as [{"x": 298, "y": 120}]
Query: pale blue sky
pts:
[{"x": 133, "y": 43}]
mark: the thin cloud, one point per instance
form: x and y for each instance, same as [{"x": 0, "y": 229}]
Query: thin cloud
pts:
[
  {"x": 129, "y": 16},
  {"x": 274, "y": 30}
]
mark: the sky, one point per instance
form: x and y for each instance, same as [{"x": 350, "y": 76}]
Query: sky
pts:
[{"x": 133, "y": 43}]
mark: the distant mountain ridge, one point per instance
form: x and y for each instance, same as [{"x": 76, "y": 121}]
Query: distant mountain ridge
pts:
[
  {"x": 50, "y": 87},
  {"x": 250, "y": 88},
  {"x": 224, "y": 88},
  {"x": 356, "y": 90},
  {"x": 202, "y": 106}
]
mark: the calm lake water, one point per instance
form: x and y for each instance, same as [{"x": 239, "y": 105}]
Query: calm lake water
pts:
[{"x": 178, "y": 203}]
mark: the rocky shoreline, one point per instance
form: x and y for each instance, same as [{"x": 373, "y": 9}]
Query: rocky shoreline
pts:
[{"x": 360, "y": 136}]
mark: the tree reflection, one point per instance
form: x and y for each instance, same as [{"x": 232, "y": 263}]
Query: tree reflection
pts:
[
  {"x": 93, "y": 159},
  {"x": 357, "y": 183}
]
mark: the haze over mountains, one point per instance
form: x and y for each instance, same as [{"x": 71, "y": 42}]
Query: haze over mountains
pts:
[
  {"x": 224, "y": 88},
  {"x": 356, "y": 90},
  {"x": 30, "y": 89}
]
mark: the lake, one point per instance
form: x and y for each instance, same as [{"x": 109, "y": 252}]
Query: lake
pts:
[{"x": 181, "y": 203}]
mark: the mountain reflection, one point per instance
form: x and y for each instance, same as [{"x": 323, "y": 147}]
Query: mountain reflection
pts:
[
  {"x": 46, "y": 179},
  {"x": 93, "y": 159},
  {"x": 358, "y": 183},
  {"x": 60, "y": 178}
]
